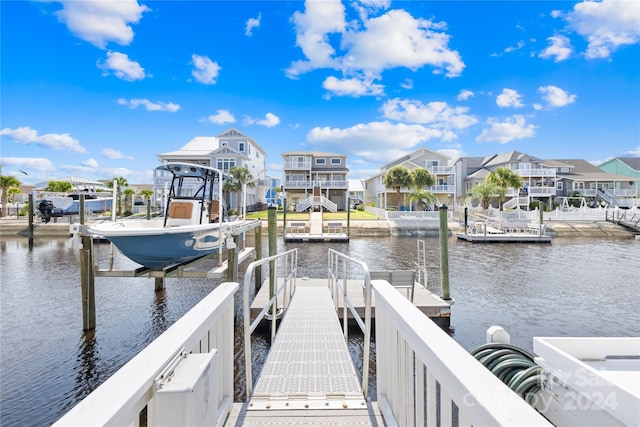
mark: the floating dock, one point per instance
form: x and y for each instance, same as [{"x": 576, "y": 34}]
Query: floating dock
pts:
[
  {"x": 315, "y": 230},
  {"x": 508, "y": 233}
]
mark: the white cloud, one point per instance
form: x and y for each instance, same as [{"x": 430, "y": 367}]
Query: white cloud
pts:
[
  {"x": 407, "y": 84},
  {"x": 465, "y": 94},
  {"x": 30, "y": 163},
  {"x": 111, "y": 153},
  {"x": 99, "y": 22},
  {"x": 251, "y": 24},
  {"x": 221, "y": 117},
  {"x": 518, "y": 46},
  {"x": 122, "y": 67},
  {"x": 353, "y": 87},
  {"x": 205, "y": 70},
  {"x": 555, "y": 96},
  {"x": 559, "y": 48},
  {"x": 270, "y": 120},
  {"x": 369, "y": 46},
  {"x": 437, "y": 114},
  {"x": 606, "y": 25},
  {"x": 632, "y": 153},
  {"x": 91, "y": 163},
  {"x": 509, "y": 98},
  {"x": 26, "y": 135},
  {"x": 377, "y": 141},
  {"x": 514, "y": 127},
  {"x": 150, "y": 106}
]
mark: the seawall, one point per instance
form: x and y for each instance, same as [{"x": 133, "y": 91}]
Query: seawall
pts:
[{"x": 12, "y": 227}]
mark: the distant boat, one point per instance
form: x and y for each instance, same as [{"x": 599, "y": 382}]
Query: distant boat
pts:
[{"x": 190, "y": 228}]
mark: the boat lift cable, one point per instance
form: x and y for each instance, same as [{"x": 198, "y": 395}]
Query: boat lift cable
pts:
[{"x": 514, "y": 366}]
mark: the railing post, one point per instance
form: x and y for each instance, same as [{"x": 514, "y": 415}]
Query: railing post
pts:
[{"x": 258, "y": 270}]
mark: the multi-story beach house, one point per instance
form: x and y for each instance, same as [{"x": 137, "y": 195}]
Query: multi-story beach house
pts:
[
  {"x": 376, "y": 193},
  {"x": 579, "y": 177},
  {"x": 315, "y": 180},
  {"x": 230, "y": 148},
  {"x": 547, "y": 181}
]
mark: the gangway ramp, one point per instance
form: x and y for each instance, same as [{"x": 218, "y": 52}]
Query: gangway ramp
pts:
[{"x": 308, "y": 377}]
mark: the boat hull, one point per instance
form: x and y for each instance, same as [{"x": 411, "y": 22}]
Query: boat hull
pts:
[{"x": 154, "y": 246}]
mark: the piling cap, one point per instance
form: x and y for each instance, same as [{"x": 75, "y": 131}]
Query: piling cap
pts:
[{"x": 443, "y": 206}]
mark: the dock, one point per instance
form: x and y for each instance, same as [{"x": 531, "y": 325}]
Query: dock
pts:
[
  {"x": 308, "y": 377},
  {"x": 482, "y": 232},
  {"x": 315, "y": 230},
  {"x": 428, "y": 303}
]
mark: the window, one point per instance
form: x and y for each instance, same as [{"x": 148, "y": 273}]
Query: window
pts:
[
  {"x": 226, "y": 164},
  {"x": 564, "y": 170},
  {"x": 559, "y": 185},
  {"x": 241, "y": 146},
  {"x": 336, "y": 161},
  {"x": 431, "y": 163},
  {"x": 321, "y": 161}
]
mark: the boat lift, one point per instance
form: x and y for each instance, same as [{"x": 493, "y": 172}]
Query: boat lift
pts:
[{"x": 89, "y": 270}]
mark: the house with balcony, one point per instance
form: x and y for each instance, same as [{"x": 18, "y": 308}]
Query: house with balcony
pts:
[
  {"x": 376, "y": 193},
  {"x": 315, "y": 180},
  {"x": 230, "y": 148},
  {"x": 579, "y": 178}
]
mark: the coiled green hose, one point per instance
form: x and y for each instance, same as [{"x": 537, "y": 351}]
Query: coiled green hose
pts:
[{"x": 513, "y": 366}]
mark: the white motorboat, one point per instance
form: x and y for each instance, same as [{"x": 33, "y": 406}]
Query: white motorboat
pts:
[{"x": 190, "y": 228}]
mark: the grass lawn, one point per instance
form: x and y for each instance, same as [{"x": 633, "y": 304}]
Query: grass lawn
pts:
[{"x": 327, "y": 216}]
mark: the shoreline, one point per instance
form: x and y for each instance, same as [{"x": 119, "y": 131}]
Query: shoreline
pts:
[{"x": 12, "y": 227}]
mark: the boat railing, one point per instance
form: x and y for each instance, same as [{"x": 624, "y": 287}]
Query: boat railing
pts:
[
  {"x": 422, "y": 373},
  {"x": 341, "y": 267},
  {"x": 130, "y": 396},
  {"x": 282, "y": 279}
]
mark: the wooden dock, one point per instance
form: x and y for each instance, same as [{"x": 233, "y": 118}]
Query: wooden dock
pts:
[
  {"x": 431, "y": 305},
  {"x": 315, "y": 230}
]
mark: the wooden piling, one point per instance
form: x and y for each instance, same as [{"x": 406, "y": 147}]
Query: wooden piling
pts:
[
  {"x": 31, "y": 210},
  {"x": 444, "y": 252},
  {"x": 87, "y": 283},
  {"x": 257, "y": 274}
]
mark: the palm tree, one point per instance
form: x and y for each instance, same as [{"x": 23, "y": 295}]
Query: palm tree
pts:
[
  {"x": 485, "y": 191},
  {"x": 423, "y": 178},
  {"x": 398, "y": 177},
  {"x": 128, "y": 197},
  {"x": 120, "y": 182},
  {"x": 59, "y": 186},
  {"x": 7, "y": 182},
  {"x": 504, "y": 178},
  {"x": 240, "y": 176},
  {"x": 146, "y": 194}
]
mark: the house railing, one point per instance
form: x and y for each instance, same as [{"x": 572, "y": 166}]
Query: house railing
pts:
[
  {"x": 292, "y": 164},
  {"x": 536, "y": 172},
  {"x": 310, "y": 184},
  {"x": 441, "y": 170},
  {"x": 127, "y": 395},
  {"x": 415, "y": 357}
]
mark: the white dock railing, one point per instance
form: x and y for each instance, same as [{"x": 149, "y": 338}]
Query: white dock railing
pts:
[
  {"x": 123, "y": 398},
  {"x": 422, "y": 373}
]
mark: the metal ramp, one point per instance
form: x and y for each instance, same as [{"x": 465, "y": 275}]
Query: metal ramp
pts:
[{"x": 309, "y": 366}]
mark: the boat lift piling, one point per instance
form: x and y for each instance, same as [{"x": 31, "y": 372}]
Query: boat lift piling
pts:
[{"x": 444, "y": 252}]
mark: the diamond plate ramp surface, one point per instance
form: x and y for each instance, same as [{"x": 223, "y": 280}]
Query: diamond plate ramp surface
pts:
[{"x": 309, "y": 365}]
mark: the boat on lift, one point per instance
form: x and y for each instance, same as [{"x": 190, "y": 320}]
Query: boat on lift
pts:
[{"x": 193, "y": 224}]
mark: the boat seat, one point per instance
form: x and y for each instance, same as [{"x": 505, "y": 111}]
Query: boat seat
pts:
[
  {"x": 183, "y": 212},
  {"x": 399, "y": 279},
  {"x": 214, "y": 210}
]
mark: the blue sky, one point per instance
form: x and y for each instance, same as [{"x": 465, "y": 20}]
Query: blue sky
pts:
[{"x": 97, "y": 89}]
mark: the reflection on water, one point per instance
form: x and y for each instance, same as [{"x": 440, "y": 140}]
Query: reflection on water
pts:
[{"x": 573, "y": 287}]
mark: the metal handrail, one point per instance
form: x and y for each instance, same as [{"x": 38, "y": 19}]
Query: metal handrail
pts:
[
  {"x": 289, "y": 268},
  {"x": 337, "y": 259}
]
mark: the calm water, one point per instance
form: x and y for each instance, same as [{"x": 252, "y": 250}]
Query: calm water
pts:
[{"x": 573, "y": 287}]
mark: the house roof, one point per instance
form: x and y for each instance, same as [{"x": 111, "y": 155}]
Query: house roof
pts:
[
  {"x": 510, "y": 157},
  {"x": 632, "y": 162},
  {"x": 585, "y": 171},
  {"x": 198, "y": 146},
  {"x": 311, "y": 153}
]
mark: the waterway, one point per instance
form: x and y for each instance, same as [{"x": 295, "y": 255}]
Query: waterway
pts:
[{"x": 571, "y": 287}]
